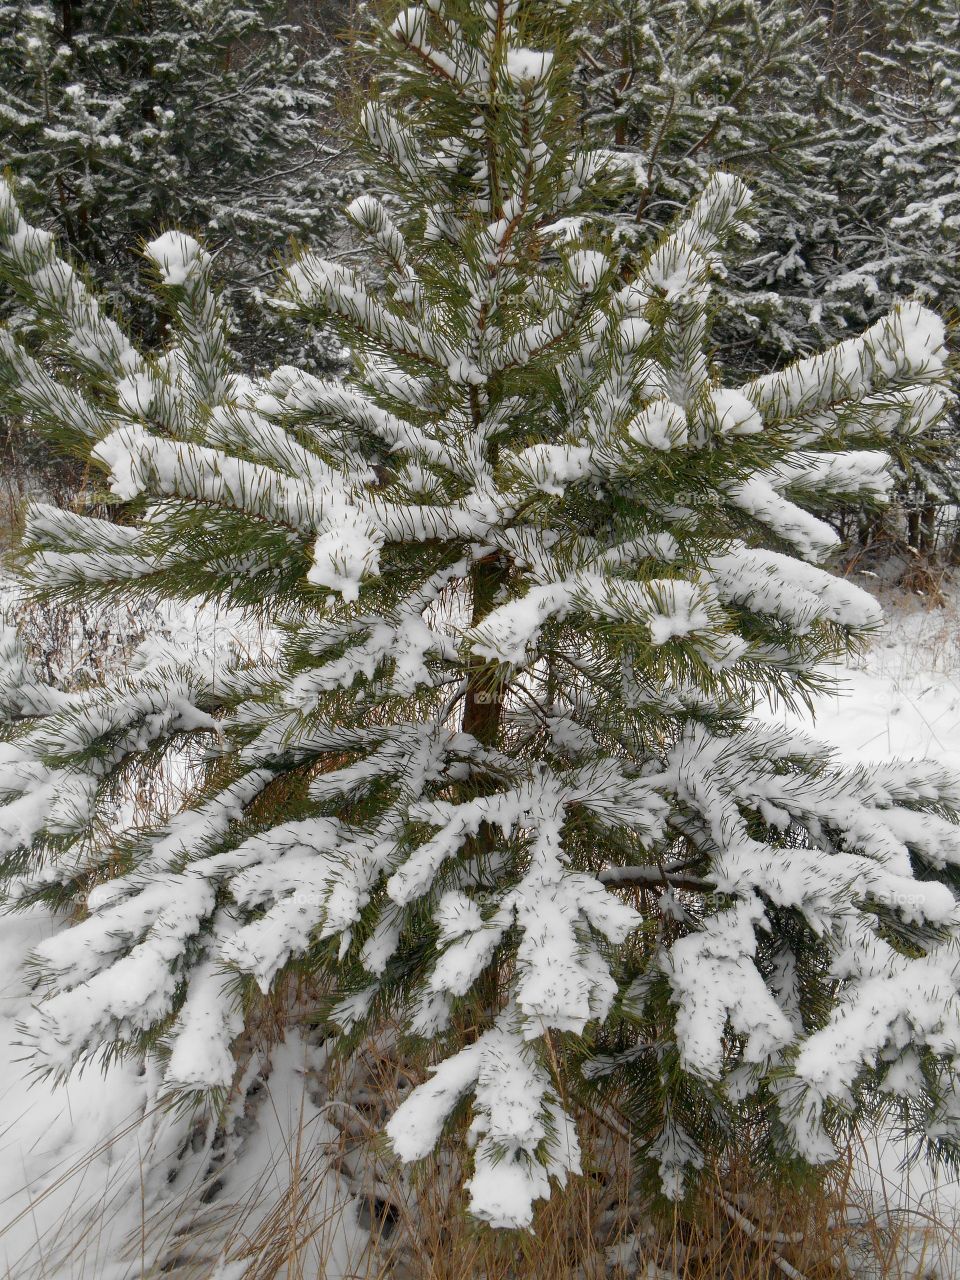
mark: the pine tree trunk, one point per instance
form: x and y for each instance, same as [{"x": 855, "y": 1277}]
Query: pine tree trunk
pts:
[
  {"x": 928, "y": 528},
  {"x": 913, "y": 529},
  {"x": 481, "y": 714},
  {"x": 69, "y": 15}
]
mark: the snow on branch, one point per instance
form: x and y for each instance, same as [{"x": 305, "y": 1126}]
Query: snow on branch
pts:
[{"x": 906, "y": 346}]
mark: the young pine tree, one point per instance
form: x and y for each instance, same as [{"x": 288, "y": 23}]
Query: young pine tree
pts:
[
  {"x": 532, "y": 567},
  {"x": 688, "y": 86},
  {"x": 899, "y": 158},
  {"x": 120, "y": 120},
  {"x": 896, "y": 170}
]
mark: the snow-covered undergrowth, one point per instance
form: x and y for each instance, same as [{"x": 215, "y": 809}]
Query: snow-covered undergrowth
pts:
[
  {"x": 97, "y": 1180},
  {"x": 97, "y": 1177},
  {"x": 902, "y": 700}
]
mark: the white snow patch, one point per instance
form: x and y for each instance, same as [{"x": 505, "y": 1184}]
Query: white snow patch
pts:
[{"x": 176, "y": 254}]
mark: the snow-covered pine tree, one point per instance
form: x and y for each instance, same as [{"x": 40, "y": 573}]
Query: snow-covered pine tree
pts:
[
  {"x": 900, "y": 155},
  {"x": 118, "y": 121},
  {"x": 684, "y": 87},
  {"x": 534, "y": 567},
  {"x": 896, "y": 171}
]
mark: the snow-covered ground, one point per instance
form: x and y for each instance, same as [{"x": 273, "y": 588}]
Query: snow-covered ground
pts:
[
  {"x": 902, "y": 699},
  {"x": 99, "y": 1183},
  {"x": 98, "y": 1150}
]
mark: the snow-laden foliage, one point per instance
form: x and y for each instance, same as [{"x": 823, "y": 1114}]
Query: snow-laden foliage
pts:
[
  {"x": 895, "y": 179},
  {"x": 119, "y": 120},
  {"x": 679, "y": 88},
  {"x": 897, "y": 159},
  {"x": 847, "y": 131},
  {"x": 535, "y": 563}
]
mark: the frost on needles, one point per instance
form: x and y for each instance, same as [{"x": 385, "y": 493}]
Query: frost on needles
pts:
[{"x": 533, "y": 566}]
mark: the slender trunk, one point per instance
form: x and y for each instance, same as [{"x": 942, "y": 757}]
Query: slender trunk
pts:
[
  {"x": 68, "y": 19},
  {"x": 928, "y": 528},
  {"x": 481, "y": 719},
  {"x": 481, "y": 712},
  {"x": 913, "y": 529}
]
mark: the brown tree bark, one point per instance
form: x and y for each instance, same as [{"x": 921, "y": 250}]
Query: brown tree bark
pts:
[{"x": 481, "y": 711}]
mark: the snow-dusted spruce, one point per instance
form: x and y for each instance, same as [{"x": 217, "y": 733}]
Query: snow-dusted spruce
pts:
[
  {"x": 535, "y": 565},
  {"x": 897, "y": 155},
  {"x": 119, "y": 119},
  {"x": 848, "y": 133},
  {"x": 896, "y": 177},
  {"x": 688, "y": 86}
]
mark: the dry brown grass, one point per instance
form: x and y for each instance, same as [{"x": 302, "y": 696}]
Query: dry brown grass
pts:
[
  {"x": 296, "y": 1218},
  {"x": 597, "y": 1228}
]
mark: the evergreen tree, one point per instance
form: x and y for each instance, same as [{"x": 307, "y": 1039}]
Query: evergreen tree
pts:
[
  {"x": 686, "y": 87},
  {"x": 839, "y": 118},
  {"x": 120, "y": 120},
  {"x": 533, "y": 567},
  {"x": 896, "y": 177},
  {"x": 898, "y": 107}
]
